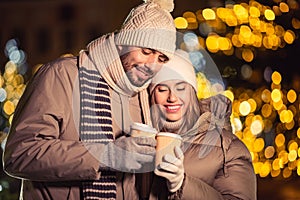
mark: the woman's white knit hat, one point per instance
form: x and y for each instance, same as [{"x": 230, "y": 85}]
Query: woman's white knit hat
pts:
[
  {"x": 150, "y": 25},
  {"x": 178, "y": 68}
]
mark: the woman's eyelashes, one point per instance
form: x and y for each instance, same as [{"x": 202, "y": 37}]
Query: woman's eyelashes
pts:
[
  {"x": 163, "y": 88},
  {"x": 181, "y": 88}
]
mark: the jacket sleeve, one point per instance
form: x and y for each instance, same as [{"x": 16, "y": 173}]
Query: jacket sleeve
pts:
[
  {"x": 197, "y": 189},
  {"x": 237, "y": 179},
  {"x": 42, "y": 145},
  {"x": 237, "y": 183}
]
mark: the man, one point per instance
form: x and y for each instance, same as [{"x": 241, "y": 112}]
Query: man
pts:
[{"x": 68, "y": 137}]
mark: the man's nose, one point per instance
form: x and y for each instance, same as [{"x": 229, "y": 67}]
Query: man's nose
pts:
[
  {"x": 153, "y": 58},
  {"x": 153, "y": 63}
]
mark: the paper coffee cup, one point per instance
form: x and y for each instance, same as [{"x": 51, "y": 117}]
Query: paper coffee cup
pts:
[
  {"x": 143, "y": 179},
  {"x": 142, "y": 130},
  {"x": 165, "y": 144}
]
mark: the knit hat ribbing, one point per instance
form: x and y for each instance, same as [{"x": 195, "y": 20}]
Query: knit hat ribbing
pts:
[
  {"x": 150, "y": 25},
  {"x": 178, "y": 68}
]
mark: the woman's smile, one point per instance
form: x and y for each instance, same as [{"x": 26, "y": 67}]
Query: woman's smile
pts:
[{"x": 173, "y": 108}]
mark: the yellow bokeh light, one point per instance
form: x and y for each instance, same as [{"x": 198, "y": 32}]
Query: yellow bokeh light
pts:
[
  {"x": 258, "y": 145},
  {"x": 265, "y": 169},
  {"x": 290, "y": 125},
  {"x": 270, "y": 30},
  {"x": 269, "y": 14},
  {"x": 254, "y": 23},
  {"x": 257, "y": 166},
  {"x": 224, "y": 43},
  {"x": 276, "y": 10},
  {"x": 244, "y": 108},
  {"x": 298, "y": 171},
  {"x": 254, "y": 11},
  {"x": 10, "y": 68},
  {"x": 241, "y": 13},
  {"x": 275, "y": 173},
  {"x": 10, "y": 118},
  {"x": 247, "y": 55},
  {"x": 229, "y": 94},
  {"x": 266, "y": 110},
  {"x": 276, "y": 77},
  {"x": 269, "y": 152},
  {"x": 276, "y": 165},
  {"x": 279, "y": 140},
  {"x": 292, "y": 165},
  {"x": 292, "y": 156},
  {"x": 204, "y": 86},
  {"x": 181, "y": 23},
  {"x": 237, "y": 124},
  {"x": 8, "y": 107},
  {"x": 286, "y": 116},
  {"x": 289, "y": 37},
  {"x": 293, "y": 145},
  {"x": 212, "y": 43},
  {"x": 291, "y": 96},
  {"x": 192, "y": 23},
  {"x": 266, "y": 96},
  {"x": 239, "y": 134},
  {"x": 208, "y": 14},
  {"x": 286, "y": 173},
  {"x": 284, "y": 7},
  {"x": 253, "y": 104},
  {"x": 256, "y": 127},
  {"x": 296, "y": 23},
  {"x": 283, "y": 156},
  {"x": 235, "y": 41},
  {"x": 189, "y": 14},
  {"x": 278, "y": 105},
  {"x": 276, "y": 95}
]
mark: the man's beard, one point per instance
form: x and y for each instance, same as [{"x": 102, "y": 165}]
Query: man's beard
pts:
[{"x": 134, "y": 80}]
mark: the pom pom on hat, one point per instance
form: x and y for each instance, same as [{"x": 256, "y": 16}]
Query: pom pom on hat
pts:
[
  {"x": 150, "y": 25},
  {"x": 167, "y": 5}
]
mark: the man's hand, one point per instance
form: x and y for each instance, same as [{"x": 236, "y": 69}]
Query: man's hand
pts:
[{"x": 130, "y": 154}]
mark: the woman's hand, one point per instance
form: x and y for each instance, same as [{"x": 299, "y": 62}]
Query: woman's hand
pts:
[{"x": 172, "y": 169}]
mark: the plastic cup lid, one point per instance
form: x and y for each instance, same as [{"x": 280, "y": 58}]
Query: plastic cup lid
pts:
[
  {"x": 168, "y": 134},
  {"x": 143, "y": 127}
]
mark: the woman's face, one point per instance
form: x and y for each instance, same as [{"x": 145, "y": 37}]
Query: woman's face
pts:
[{"x": 173, "y": 98}]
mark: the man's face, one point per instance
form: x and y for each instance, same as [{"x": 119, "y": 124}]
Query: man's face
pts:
[{"x": 141, "y": 64}]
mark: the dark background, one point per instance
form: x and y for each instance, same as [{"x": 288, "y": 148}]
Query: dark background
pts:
[{"x": 46, "y": 29}]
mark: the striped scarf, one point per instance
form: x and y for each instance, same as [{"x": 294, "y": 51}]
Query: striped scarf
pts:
[
  {"x": 103, "y": 68},
  {"x": 96, "y": 126}
]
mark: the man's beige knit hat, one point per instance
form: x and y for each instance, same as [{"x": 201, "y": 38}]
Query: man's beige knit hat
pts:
[{"x": 150, "y": 25}]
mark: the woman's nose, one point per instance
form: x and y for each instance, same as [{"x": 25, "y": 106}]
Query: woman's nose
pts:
[{"x": 172, "y": 97}]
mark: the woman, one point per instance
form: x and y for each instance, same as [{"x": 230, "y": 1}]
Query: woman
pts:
[{"x": 212, "y": 163}]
